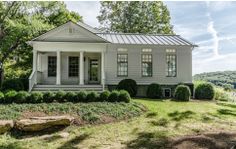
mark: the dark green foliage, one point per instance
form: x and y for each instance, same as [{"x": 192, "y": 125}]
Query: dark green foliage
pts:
[
  {"x": 22, "y": 97},
  {"x": 48, "y": 97},
  {"x": 182, "y": 93},
  {"x": 114, "y": 96},
  {"x": 10, "y": 96},
  {"x": 60, "y": 96},
  {"x": 129, "y": 85},
  {"x": 154, "y": 91},
  {"x": 204, "y": 91},
  {"x": 104, "y": 96},
  {"x": 124, "y": 96},
  {"x": 2, "y": 97},
  {"x": 81, "y": 96},
  {"x": 92, "y": 96},
  {"x": 36, "y": 97},
  {"x": 71, "y": 96},
  {"x": 13, "y": 84}
]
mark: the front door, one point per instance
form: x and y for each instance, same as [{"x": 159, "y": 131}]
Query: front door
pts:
[{"x": 93, "y": 71}]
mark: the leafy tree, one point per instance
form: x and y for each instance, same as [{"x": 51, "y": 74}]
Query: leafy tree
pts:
[
  {"x": 135, "y": 17},
  {"x": 21, "y": 21}
]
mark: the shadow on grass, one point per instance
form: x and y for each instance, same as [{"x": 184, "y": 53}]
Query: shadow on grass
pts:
[
  {"x": 227, "y": 104},
  {"x": 148, "y": 140},
  {"x": 73, "y": 142},
  {"x": 178, "y": 116},
  {"x": 226, "y": 112},
  {"x": 150, "y": 99},
  {"x": 22, "y": 135},
  {"x": 11, "y": 146}
]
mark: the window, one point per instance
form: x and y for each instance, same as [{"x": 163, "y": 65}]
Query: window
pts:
[
  {"x": 122, "y": 65},
  {"x": 167, "y": 92},
  {"x": 52, "y": 66},
  {"x": 73, "y": 66},
  {"x": 146, "y": 65},
  {"x": 171, "y": 70}
]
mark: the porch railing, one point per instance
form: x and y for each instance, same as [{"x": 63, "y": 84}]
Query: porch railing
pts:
[{"x": 32, "y": 80}]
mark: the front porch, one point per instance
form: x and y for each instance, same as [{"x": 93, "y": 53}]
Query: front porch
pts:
[{"x": 67, "y": 70}]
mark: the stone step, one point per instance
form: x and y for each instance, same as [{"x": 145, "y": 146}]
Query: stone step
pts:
[{"x": 97, "y": 88}]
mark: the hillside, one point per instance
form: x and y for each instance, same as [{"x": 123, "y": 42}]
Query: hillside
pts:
[{"x": 220, "y": 78}]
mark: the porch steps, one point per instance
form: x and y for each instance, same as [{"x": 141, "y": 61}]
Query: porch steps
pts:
[{"x": 97, "y": 88}]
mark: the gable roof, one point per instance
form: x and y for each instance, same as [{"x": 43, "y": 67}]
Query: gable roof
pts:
[{"x": 128, "y": 38}]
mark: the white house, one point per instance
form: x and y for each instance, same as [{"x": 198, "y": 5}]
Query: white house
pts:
[{"x": 75, "y": 56}]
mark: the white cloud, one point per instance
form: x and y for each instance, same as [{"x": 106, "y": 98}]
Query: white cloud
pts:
[
  {"x": 218, "y": 5},
  {"x": 215, "y": 38}
]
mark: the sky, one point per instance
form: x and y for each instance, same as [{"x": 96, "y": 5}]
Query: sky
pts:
[{"x": 210, "y": 25}]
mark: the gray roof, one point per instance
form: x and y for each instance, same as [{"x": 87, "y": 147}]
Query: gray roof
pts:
[{"x": 150, "y": 39}]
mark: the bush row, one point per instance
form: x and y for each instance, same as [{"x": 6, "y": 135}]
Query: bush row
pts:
[{"x": 61, "y": 96}]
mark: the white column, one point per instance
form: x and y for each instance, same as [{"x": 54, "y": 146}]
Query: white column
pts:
[
  {"x": 58, "y": 81},
  {"x": 35, "y": 64},
  {"x": 102, "y": 70},
  {"x": 81, "y": 68}
]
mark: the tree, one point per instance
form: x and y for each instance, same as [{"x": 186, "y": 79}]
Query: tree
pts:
[
  {"x": 135, "y": 17},
  {"x": 21, "y": 21}
]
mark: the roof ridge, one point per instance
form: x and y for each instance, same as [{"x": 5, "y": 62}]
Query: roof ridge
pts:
[{"x": 138, "y": 34}]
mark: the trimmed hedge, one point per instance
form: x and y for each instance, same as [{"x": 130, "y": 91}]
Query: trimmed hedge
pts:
[
  {"x": 129, "y": 85},
  {"x": 13, "y": 84},
  {"x": 204, "y": 91},
  {"x": 154, "y": 91},
  {"x": 182, "y": 93},
  {"x": 61, "y": 96}
]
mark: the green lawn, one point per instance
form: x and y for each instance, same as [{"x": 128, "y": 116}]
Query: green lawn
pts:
[{"x": 163, "y": 121}]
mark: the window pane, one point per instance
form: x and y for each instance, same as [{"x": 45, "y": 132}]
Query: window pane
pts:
[
  {"x": 73, "y": 66},
  {"x": 147, "y": 65},
  {"x": 171, "y": 65},
  {"x": 52, "y": 66},
  {"x": 122, "y": 64}
]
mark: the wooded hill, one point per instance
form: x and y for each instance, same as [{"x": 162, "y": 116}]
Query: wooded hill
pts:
[{"x": 220, "y": 78}]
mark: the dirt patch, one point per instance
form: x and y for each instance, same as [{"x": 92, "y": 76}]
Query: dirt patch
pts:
[
  {"x": 220, "y": 140},
  {"x": 29, "y": 114}
]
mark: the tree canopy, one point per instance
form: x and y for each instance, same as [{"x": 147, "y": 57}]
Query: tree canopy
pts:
[
  {"x": 135, "y": 17},
  {"x": 21, "y": 21}
]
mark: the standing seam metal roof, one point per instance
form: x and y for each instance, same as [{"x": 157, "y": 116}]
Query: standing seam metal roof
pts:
[{"x": 158, "y": 39}]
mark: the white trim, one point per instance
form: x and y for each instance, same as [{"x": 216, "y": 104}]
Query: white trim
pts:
[{"x": 81, "y": 68}]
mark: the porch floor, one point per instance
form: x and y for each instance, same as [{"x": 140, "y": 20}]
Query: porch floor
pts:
[{"x": 86, "y": 87}]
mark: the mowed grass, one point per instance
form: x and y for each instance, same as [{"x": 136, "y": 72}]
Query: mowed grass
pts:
[{"x": 164, "y": 120}]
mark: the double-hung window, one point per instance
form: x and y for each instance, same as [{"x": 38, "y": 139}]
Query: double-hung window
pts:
[
  {"x": 171, "y": 70},
  {"x": 52, "y": 66},
  {"x": 122, "y": 63},
  {"x": 146, "y": 63},
  {"x": 73, "y": 66}
]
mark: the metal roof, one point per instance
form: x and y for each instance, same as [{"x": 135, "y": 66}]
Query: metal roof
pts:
[{"x": 151, "y": 39}]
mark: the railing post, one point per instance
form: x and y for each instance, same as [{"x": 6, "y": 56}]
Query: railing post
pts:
[{"x": 102, "y": 70}]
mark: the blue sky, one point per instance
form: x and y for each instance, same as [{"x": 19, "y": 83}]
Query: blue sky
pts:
[{"x": 211, "y": 25}]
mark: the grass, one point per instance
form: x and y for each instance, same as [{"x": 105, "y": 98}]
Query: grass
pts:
[{"x": 163, "y": 121}]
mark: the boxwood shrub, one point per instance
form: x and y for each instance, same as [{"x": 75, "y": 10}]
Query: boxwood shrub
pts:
[
  {"x": 71, "y": 96},
  {"x": 154, "y": 91},
  {"x": 48, "y": 97},
  {"x": 129, "y": 85},
  {"x": 104, "y": 96},
  {"x": 182, "y": 93},
  {"x": 124, "y": 96},
  {"x": 36, "y": 97},
  {"x": 92, "y": 96},
  {"x": 204, "y": 90},
  {"x": 81, "y": 96},
  {"x": 13, "y": 84},
  {"x": 60, "y": 96},
  {"x": 10, "y": 96},
  {"x": 114, "y": 96},
  {"x": 22, "y": 97}
]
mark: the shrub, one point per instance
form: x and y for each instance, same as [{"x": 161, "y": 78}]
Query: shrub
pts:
[
  {"x": 92, "y": 96},
  {"x": 22, "y": 97},
  {"x": 13, "y": 84},
  {"x": 129, "y": 85},
  {"x": 222, "y": 95},
  {"x": 36, "y": 97},
  {"x": 114, "y": 96},
  {"x": 124, "y": 96},
  {"x": 204, "y": 91},
  {"x": 71, "y": 96},
  {"x": 182, "y": 93},
  {"x": 1, "y": 97},
  {"x": 10, "y": 96},
  {"x": 60, "y": 96},
  {"x": 48, "y": 97},
  {"x": 104, "y": 96},
  {"x": 154, "y": 91},
  {"x": 81, "y": 96}
]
